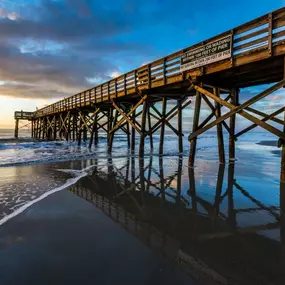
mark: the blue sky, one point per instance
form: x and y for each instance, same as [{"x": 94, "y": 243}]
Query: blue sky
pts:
[{"x": 50, "y": 49}]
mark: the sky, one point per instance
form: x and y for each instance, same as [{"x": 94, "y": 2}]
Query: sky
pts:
[{"x": 51, "y": 49}]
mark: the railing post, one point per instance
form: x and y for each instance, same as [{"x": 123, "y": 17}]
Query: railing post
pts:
[{"x": 270, "y": 34}]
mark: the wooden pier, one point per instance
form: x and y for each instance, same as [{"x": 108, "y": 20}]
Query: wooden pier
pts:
[
  {"x": 211, "y": 71},
  {"x": 21, "y": 115}
]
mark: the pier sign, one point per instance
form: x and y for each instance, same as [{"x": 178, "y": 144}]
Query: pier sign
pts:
[{"x": 211, "y": 52}]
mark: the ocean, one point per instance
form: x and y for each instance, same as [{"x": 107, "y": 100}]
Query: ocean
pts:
[{"x": 31, "y": 171}]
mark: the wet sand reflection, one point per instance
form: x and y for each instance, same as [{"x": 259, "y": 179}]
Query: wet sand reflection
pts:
[{"x": 214, "y": 236}]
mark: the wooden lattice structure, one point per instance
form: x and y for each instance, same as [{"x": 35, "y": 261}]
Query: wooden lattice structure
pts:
[{"x": 249, "y": 55}]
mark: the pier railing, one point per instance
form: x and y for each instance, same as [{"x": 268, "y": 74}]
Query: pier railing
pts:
[{"x": 253, "y": 41}]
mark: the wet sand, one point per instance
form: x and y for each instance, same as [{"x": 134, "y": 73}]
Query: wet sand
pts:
[
  {"x": 143, "y": 222},
  {"x": 66, "y": 240}
]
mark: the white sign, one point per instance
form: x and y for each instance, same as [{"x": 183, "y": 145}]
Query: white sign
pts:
[{"x": 211, "y": 52}]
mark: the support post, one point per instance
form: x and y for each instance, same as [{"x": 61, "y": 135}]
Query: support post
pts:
[
  {"x": 149, "y": 128},
  {"x": 16, "y": 128},
  {"x": 194, "y": 129},
  {"x": 32, "y": 128},
  {"x": 179, "y": 117},
  {"x": 133, "y": 141},
  {"x": 220, "y": 136},
  {"x": 128, "y": 135},
  {"x": 96, "y": 129},
  {"x": 112, "y": 125},
  {"x": 142, "y": 138},
  {"x": 79, "y": 131},
  {"x": 282, "y": 176},
  {"x": 234, "y": 101},
  {"x": 54, "y": 127},
  {"x": 162, "y": 130},
  {"x": 84, "y": 129}
]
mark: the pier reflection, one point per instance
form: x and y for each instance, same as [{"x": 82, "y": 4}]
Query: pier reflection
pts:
[{"x": 209, "y": 232}]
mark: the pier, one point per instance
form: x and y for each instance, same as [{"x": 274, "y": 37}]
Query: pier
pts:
[{"x": 211, "y": 71}]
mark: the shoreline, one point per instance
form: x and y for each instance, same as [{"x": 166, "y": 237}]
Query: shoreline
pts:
[{"x": 77, "y": 244}]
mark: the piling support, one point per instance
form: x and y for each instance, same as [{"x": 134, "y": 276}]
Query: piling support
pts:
[
  {"x": 162, "y": 130},
  {"x": 194, "y": 129},
  {"x": 16, "y": 128},
  {"x": 149, "y": 127},
  {"x": 282, "y": 176},
  {"x": 84, "y": 128},
  {"x": 220, "y": 136},
  {"x": 234, "y": 101},
  {"x": 133, "y": 135},
  {"x": 143, "y": 133},
  {"x": 79, "y": 131},
  {"x": 112, "y": 125},
  {"x": 179, "y": 118},
  {"x": 96, "y": 130}
]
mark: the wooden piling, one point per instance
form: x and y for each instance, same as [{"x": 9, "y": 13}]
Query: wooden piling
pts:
[
  {"x": 79, "y": 131},
  {"x": 162, "y": 129},
  {"x": 96, "y": 130},
  {"x": 128, "y": 135},
  {"x": 133, "y": 134},
  {"x": 143, "y": 122},
  {"x": 54, "y": 127},
  {"x": 193, "y": 142},
  {"x": 179, "y": 118},
  {"x": 16, "y": 128},
  {"x": 234, "y": 101},
  {"x": 92, "y": 135},
  {"x": 220, "y": 136},
  {"x": 149, "y": 128},
  {"x": 84, "y": 128},
  {"x": 282, "y": 176},
  {"x": 112, "y": 125}
]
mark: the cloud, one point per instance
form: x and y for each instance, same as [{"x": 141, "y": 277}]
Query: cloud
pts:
[{"x": 55, "y": 47}]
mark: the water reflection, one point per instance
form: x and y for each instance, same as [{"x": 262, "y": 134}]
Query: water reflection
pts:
[{"x": 214, "y": 227}]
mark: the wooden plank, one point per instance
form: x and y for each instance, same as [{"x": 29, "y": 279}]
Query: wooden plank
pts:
[
  {"x": 251, "y": 43},
  {"x": 251, "y": 35},
  {"x": 239, "y": 109}
]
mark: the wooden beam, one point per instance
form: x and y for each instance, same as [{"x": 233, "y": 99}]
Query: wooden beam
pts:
[
  {"x": 126, "y": 118},
  {"x": 142, "y": 133},
  {"x": 234, "y": 102},
  {"x": 239, "y": 109},
  {"x": 268, "y": 117},
  {"x": 220, "y": 136},
  {"x": 194, "y": 128},
  {"x": 129, "y": 113},
  {"x": 162, "y": 130},
  {"x": 180, "y": 132}
]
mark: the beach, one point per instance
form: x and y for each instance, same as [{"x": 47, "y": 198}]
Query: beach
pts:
[{"x": 83, "y": 216}]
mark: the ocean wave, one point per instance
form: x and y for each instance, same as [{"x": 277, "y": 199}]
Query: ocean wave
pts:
[{"x": 78, "y": 175}]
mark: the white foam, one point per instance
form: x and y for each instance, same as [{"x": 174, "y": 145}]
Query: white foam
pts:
[{"x": 80, "y": 174}]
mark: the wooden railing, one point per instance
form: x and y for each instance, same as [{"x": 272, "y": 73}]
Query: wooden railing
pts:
[{"x": 263, "y": 33}]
